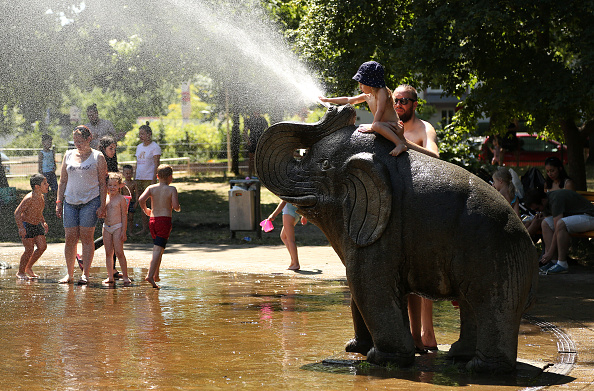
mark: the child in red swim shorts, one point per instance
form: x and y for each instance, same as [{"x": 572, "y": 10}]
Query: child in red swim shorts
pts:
[{"x": 163, "y": 201}]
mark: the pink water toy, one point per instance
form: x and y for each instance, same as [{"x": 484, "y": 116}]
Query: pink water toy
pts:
[{"x": 267, "y": 225}]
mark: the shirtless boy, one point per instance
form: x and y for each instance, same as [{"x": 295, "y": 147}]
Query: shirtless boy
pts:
[
  {"x": 114, "y": 227},
  {"x": 32, "y": 226},
  {"x": 379, "y": 99},
  {"x": 163, "y": 201}
]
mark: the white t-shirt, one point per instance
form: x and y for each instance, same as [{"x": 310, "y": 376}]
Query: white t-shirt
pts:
[
  {"x": 83, "y": 178},
  {"x": 145, "y": 164},
  {"x": 103, "y": 128}
]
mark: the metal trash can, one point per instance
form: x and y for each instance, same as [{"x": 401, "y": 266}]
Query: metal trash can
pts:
[{"x": 244, "y": 206}]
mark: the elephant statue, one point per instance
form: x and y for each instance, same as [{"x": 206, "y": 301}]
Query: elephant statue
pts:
[{"x": 407, "y": 224}]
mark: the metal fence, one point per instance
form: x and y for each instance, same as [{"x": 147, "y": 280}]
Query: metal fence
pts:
[{"x": 193, "y": 158}]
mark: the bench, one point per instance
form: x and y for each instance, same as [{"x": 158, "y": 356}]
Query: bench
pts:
[{"x": 589, "y": 195}]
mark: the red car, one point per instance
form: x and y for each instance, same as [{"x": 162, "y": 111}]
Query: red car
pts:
[{"x": 524, "y": 149}]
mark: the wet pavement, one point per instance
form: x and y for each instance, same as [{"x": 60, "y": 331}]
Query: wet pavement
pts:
[{"x": 564, "y": 311}]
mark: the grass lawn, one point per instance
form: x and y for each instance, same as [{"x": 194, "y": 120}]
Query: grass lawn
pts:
[{"x": 204, "y": 217}]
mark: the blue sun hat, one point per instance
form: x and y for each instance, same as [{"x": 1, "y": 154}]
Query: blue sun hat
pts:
[{"x": 371, "y": 73}]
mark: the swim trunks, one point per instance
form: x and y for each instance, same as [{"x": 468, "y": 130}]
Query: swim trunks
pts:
[
  {"x": 160, "y": 228},
  {"x": 112, "y": 228},
  {"x": 32, "y": 230}
]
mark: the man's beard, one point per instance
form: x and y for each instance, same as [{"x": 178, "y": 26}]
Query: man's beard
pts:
[{"x": 406, "y": 116}]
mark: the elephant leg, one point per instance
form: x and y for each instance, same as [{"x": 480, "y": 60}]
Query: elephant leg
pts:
[
  {"x": 497, "y": 340},
  {"x": 362, "y": 342},
  {"x": 384, "y": 313},
  {"x": 465, "y": 348}
]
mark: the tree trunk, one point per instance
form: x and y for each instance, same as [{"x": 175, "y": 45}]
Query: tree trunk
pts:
[
  {"x": 235, "y": 142},
  {"x": 3, "y": 180},
  {"x": 576, "y": 167}
]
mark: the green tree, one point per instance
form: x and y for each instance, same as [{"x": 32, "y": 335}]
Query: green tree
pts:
[{"x": 516, "y": 59}]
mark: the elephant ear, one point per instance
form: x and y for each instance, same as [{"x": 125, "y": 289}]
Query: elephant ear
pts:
[{"x": 368, "y": 200}]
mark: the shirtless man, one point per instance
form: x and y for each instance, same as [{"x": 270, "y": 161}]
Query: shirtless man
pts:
[
  {"x": 32, "y": 226},
  {"x": 163, "y": 201},
  {"x": 420, "y": 136}
]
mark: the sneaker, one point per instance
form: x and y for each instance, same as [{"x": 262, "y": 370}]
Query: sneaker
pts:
[
  {"x": 557, "y": 269},
  {"x": 546, "y": 266}
]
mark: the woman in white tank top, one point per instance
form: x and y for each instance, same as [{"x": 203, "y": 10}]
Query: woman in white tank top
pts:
[{"x": 81, "y": 200}]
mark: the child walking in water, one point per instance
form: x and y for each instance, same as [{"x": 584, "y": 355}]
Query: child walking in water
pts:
[
  {"x": 287, "y": 234},
  {"x": 114, "y": 227},
  {"x": 379, "y": 99},
  {"x": 32, "y": 226},
  {"x": 163, "y": 200}
]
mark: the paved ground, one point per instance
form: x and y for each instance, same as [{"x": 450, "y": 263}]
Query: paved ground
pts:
[{"x": 565, "y": 301}]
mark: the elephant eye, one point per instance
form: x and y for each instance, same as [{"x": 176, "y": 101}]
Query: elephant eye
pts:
[{"x": 325, "y": 165}]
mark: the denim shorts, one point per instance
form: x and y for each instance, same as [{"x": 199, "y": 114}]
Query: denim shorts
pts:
[{"x": 83, "y": 215}]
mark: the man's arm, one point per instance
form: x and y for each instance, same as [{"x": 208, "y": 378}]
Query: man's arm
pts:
[{"x": 429, "y": 146}]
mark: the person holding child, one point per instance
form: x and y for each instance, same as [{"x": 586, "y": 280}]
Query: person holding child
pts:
[
  {"x": 81, "y": 200},
  {"x": 379, "y": 99},
  {"x": 114, "y": 228},
  {"x": 47, "y": 162},
  {"x": 420, "y": 136},
  {"x": 32, "y": 226},
  {"x": 164, "y": 199}
]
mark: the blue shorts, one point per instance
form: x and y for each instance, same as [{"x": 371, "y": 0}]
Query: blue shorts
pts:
[
  {"x": 51, "y": 180},
  {"x": 290, "y": 210},
  {"x": 83, "y": 215}
]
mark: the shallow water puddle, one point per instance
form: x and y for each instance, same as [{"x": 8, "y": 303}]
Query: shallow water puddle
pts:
[{"x": 210, "y": 330}]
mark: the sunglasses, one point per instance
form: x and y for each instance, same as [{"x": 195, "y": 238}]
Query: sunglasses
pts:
[{"x": 403, "y": 101}]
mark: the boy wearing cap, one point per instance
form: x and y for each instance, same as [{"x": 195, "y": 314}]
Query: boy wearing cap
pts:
[{"x": 379, "y": 99}]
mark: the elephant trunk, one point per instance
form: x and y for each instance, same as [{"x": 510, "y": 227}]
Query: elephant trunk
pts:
[{"x": 276, "y": 165}]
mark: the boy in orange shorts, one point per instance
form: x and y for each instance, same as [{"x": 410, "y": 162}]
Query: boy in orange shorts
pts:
[{"x": 163, "y": 201}]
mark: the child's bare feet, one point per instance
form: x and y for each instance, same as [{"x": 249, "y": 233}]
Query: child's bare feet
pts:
[
  {"x": 107, "y": 281},
  {"x": 294, "y": 267},
  {"x": 31, "y": 274},
  {"x": 65, "y": 280},
  {"x": 22, "y": 276},
  {"x": 127, "y": 281},
  {"x": 398, "y": 150},
  {"x": 364, "y": 129},
  {"x": 152, "y": 281},
  {"x": 157, "y": 278}
]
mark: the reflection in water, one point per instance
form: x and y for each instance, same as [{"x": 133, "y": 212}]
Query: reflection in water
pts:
[{"x": 209, "y": 330}]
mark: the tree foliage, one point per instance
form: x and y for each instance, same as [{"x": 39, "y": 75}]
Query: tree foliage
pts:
[{"x": 516, "y": 59}]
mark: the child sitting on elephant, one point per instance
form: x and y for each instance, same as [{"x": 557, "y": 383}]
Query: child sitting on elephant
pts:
[{"x": 379, "y": 99}]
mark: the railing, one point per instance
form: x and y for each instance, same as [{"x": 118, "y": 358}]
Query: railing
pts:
[{"x": 23, "y": 162}]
